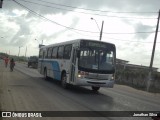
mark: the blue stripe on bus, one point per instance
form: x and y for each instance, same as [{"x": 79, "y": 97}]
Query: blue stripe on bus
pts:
[{"x": 55, "y": 68}]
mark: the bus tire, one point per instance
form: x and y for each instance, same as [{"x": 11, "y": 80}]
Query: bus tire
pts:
[
  {"x": 95, "y": 88},
  {"x": 64, "y": 81},
  {"x": 45, "y": 74}
]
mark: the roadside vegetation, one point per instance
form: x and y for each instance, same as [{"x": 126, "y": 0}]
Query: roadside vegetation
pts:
[{"x": 16, "y": 58}]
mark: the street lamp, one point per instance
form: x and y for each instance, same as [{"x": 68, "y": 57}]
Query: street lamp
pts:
[
  {"x": 100, "y": 30},
  {"x": 40, "y": 45},
  {"x": 19, "y": 50},
  {"x": 26, "y": 52},
  {"x": 38, "y": 41}
]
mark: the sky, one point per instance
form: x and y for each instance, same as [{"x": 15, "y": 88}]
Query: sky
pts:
[{"x": 129, "y": 24}]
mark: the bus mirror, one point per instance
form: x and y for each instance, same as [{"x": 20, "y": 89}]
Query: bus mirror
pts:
[{"x": 78, "y": 53}]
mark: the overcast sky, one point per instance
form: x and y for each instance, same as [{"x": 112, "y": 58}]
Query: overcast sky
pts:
[{"x": 129, "y": 24}]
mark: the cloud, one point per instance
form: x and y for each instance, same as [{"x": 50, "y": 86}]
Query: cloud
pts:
[
  {"x": 59, "y": 6},
  {"x": 21, "y": 36},
  {"x": 141, "y": 27},
  {"x": 22, "y": 27},
  {"x": 143, "y": 5}
]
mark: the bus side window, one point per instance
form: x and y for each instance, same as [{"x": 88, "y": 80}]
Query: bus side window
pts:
[
  {"x": 40, "y": 53},
  {"x": 54, "y": 52},
  {"x": 60, "y": 52},
  {"x": 67, "y": 51},
  {"x": 45, "y": 53},
  {"x": 49, "y": 53}
]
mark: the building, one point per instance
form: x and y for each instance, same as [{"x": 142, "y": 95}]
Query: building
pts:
[{"x": 123, "y": 64}]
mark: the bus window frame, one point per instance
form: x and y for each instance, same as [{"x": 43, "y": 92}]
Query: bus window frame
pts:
[
  {"x": 41, "y": 53},
  {"x": 50, "y": 49},
  {"x": 58, "y": 52},
  {"x": 69, "y": 55}
]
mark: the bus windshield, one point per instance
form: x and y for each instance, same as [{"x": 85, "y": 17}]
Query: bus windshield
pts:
[{"x": 97, "y": 59}]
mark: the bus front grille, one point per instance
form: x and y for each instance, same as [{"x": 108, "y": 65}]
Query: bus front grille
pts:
[{"x": 96, "y": 82}]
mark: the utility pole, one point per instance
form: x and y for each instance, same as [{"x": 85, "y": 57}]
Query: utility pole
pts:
[
  {"x": 100, "y": 37},
  {"x": 1, "y": 2},
  {"x": 26, "y": 52},
  {"x": 101, "y": 30},
  {"x": 153, "y": 51},
  {"x": 19, "y": 50}
]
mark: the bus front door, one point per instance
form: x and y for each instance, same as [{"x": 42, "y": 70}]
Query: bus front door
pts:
[
  {"x": 73, "y": 64},
  {"x": 41, "y": 64}
]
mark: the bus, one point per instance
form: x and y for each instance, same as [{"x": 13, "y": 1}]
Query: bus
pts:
[{"x": 80, "y": 62}]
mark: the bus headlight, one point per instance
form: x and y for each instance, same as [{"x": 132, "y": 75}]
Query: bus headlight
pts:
[
  {"x": 79, "y": 76},
  {"x": 82, "y": 74},
  {"x": 112, "y": 78}
]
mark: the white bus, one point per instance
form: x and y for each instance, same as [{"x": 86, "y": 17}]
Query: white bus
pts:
[{"x": 79, "y": 62}]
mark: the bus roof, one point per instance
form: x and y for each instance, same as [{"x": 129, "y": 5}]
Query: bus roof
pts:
[{"x": 72, "y": 41}]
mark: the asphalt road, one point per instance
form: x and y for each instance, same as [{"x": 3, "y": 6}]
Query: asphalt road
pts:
[{"x": 24, "y": 89}]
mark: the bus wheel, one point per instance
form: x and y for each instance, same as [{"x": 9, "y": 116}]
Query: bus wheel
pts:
[
  {"x": 95, "y": 88},
  {"x": 45, "y": 74},
  {"x": 64, "y": 80}
]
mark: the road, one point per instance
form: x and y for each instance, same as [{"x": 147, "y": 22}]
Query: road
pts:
[{"x": 24, "y": 89}]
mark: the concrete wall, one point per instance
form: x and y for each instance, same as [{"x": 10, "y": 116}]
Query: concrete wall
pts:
[{"x": 138, "y": 79}]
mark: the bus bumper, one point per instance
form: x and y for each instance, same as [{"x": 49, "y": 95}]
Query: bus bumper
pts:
[{"x": 97, "y": 83}]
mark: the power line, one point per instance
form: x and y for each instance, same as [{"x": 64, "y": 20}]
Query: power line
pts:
[
  {"x": 122, "y": 40},
  {"x": 46, "y": 19},
  {"x": 92, "y": 9},
  {"x": 85, "y": 12},
  {"x": 29, "y": 10},
  {"x": 117, "y": 39},
  {"x": 33, "y": 12},
  {"x": 131, "y": 32},
  {"x": 128, "y": 40}
]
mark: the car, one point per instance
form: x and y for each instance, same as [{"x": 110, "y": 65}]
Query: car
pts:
[{"x": 33, "y": 61}]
